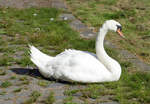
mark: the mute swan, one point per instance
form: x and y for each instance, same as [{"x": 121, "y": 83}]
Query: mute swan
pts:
[{"x": 75, "y": 65}]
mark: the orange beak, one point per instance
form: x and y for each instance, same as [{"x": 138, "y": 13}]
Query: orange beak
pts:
[{"x": 120, "y": 33}]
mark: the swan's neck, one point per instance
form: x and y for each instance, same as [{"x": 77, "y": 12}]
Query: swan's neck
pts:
[{"x": 111, "y": 65}]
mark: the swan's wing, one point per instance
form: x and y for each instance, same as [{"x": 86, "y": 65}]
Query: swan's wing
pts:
[
  {"x": 90, "y": 54},
  {"x": 78, "y": 66}
]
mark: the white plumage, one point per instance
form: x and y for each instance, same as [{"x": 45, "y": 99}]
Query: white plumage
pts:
[{"x": 80, "y": 66}]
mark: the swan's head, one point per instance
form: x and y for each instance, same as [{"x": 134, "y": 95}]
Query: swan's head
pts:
[{"x": 114, "y": 26}]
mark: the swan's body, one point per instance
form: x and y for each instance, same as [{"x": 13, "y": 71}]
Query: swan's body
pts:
[{"x": 80, "y": 66}]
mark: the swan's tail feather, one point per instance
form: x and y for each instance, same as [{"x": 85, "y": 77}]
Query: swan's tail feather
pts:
[{"x": 38, "y": 58}]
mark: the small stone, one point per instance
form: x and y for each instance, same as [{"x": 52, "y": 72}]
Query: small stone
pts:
[
  {"x": 7, "y": 102},
  {"x": 78, "y": 25},
  {"x": 17, "y": 35},
  {"x": 134, "y": 99},
  {"x": 51, "y": 19},
  {"x": 60, "y": 97},
  {"x": 37, "y": 29},
  {"x": 127, "y": 55},
  {"x": 92, "y": 28},
  {"x": 87, "y": 34},
  {"x": 59, "y": 4},
  {"x": 34, "y": 14},
  {"x": 65, "y": 18},
  {"x": 109, "y": 44},
  {"x": 78, "y": 94},
  {"x": 113, "y": 102},
  {"x": 55, "y": 85},
  {"x": 140, "y": 64}
]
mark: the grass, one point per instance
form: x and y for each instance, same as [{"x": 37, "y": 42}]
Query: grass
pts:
[
  {"x": 33, "y": 97},
  {"x": 132, "y": 88},
  {"x": 24, "y": 61},
  {"x": 37, "y": 30},
  {"x": 50, "y": 99},
  {"x": 17, "y": 90},
  {"x": 132, "y": 14},
  {"x": 27, "y": 82},
  {"x": 13, "y": 77},
  {"x": 6, "y": 84},
  {"x": 68, "y": 100},
  {"x": 24, "y": 80},
  {"x": 3, "y": 93},
  {"x": 52, "y": 37},
  {"x": 70, "y": 92},
  {"x": 43, "y": 83},
  {"x": 6, "y": 61},
  {"x": 2, "y": 72}
]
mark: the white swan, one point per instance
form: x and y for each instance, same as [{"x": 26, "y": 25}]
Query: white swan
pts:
[{"x": 80, "y": 66}]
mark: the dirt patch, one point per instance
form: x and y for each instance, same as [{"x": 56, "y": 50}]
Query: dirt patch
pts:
[{"x": 20, "y": 4}]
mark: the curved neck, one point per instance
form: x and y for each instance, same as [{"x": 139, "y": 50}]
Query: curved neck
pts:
[
  {"x": 100, "y": 51},
  {"x": 111, "y": 65}
]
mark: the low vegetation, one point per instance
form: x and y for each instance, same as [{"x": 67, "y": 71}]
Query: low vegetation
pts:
[
  {"x": 132, "y": 88},
  {"x": 5, "y": 84},
  {"x": 33, "y": 97},
  {"x": 17, "y": 90},
  {"x": 2, "y": 72},
  {"x": 43, "y": 83},
  {"x": 18, "y": 28},
  {"x": 132, "y": 14},
  {"x": 3, "y": 93},
  {"x": 50, "y": 99}
]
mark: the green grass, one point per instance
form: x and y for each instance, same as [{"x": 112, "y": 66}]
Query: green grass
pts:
[
  {"x": 24, "y": 81},
  {"x": 20, "y": 22},
  {"x": 24, "y": 61},
  {"x": 52, "y": 37},
  {"x": 6, "y": 84},
  {"x": 23, "y": 78},
  {"x": 2, "y": 72},
  {"x": 7, "y": 49},
  {"x": 70, "y": 92},
  {"x": 131, "y": 88},
  {"x": 132, "y": 14},
  {"x": 52, "y": 33},
  {"x": 50, "y": 99},
  {"x": 68, "y": 100},
  {"x": 38, "y": 30},
  {"x": 33, "y": 97},
  {"x": 43, "y": 83},
  {"x": 6, "y": 60},
  {"x": 13, "y": 77},
  {"x": 3, "y": 93},
  {"x": 17, "y": 90}
]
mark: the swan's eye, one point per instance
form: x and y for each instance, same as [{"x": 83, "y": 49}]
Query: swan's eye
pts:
[{"x": 119, "y": 27}]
